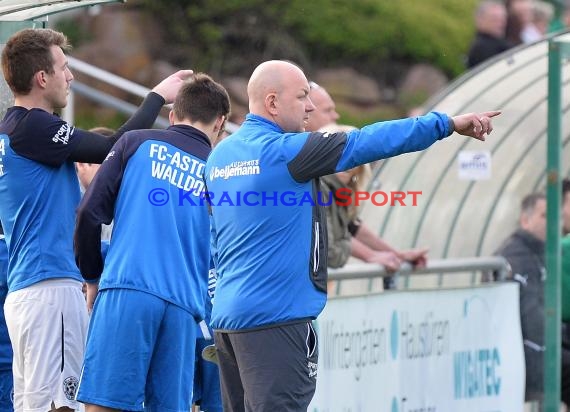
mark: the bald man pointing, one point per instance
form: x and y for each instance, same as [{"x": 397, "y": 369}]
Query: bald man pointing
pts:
[{"x": 269, "y": 236}]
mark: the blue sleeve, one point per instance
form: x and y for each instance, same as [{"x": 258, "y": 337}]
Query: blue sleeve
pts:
[
  {"x": 319, "y": 154},
  {"x": 44, "y": 138},
  {"x": 93, "y": 148},
  {"x": 391, "y": 138}
]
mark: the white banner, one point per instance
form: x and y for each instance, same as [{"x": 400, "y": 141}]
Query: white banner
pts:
[
  {"x": 422, "y": 351},
  {"x": 474, "y": 165}
]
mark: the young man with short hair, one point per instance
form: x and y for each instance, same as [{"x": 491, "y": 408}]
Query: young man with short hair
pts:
[
  {"x": 45, "y": 308},
  {"x": 153, "y": 286}
]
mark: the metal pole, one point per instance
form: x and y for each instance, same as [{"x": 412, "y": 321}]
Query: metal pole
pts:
[
  {"x": 553, "y": 187},
  {"x": 556, "y": 23}
]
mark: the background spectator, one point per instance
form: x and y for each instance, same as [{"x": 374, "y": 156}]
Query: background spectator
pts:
[
  {"x": 524, "y": 250},
  {"x": 347, "y": 235},
  {"x": 490, "y": 23},
  {"x": 542, "y": 14},
  {"x": 521, "y": 27},
  {"x": 325, "y": 108}
]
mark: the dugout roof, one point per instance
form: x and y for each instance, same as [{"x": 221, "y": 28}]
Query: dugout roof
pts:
[
  {"x": 460, "y": 218},
  {"x": 19, "y": 10}
]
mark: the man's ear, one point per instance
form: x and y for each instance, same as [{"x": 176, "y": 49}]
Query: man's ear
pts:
[
  {"x": 219, "y": 124},
  {"x": 523, "y": 220},
  {"x": 271, "y": 103},
  {"x": 40, "y": 78},
  {"x": 171, "y": 117}
]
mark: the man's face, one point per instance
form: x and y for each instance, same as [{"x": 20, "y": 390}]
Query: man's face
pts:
[
  {"x": 325, "y": 109},
  {"x": 58, "y": 82},
  {"x": 293, "y": 103},
  {"x": 566, "y": 213},
  {"x": 535, "y": 221},
  {"x": 494, "y": 21}
]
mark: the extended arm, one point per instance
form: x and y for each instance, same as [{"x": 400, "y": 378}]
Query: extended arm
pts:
[
  {"x": 322, "y": 153},
  {"x": 92, "y": 147}
]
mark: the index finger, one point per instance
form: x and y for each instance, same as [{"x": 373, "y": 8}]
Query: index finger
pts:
[{"x": 492, "y": 113}]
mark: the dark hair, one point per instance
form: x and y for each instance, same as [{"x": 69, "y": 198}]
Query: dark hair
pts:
[
  {"x": 529, "y": 202},
  {"x": 28, "y": 52},
  {"x": 201, "y": 99}
]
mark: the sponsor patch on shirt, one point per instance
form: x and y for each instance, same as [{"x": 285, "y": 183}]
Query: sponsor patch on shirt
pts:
[
  {"x": 62, "y": 135},
  {"x": 240, "y": 168}
]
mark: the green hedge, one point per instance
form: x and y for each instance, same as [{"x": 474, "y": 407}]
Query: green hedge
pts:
[{"x": 220, "y": 35}]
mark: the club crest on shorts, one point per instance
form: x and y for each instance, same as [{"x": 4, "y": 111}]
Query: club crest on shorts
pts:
[{"x": 70, "y": 387}]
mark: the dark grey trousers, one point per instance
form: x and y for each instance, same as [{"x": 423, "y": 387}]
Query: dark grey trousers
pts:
[{"x": 268, "y": 370}]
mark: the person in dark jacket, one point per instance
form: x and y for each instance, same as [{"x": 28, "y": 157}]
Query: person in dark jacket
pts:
[
  {"x": 491, "y": 22},
  {"x": 347, "y": 234},
  {"x": 524, "y": 250}
]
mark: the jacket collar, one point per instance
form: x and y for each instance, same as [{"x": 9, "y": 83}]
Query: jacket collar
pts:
[
  {"x": 530, "y": 240},
  {"x": 191, "y": 131},
  {"x": 254, "y": 119}
]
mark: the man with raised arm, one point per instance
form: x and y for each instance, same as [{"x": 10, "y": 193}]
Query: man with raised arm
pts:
[
  {"x": 45, "y": 308},
  {"x": 270, "y": 247}
]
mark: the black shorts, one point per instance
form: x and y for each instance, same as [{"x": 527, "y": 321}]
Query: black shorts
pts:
[{"x": 273, "y": 369}]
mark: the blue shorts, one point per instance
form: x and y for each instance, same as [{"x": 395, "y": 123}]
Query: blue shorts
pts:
[
  {"x": 6, "y": 391},
  {"x": 206, "y": 381},
  {"x": 140, "y": 348}
]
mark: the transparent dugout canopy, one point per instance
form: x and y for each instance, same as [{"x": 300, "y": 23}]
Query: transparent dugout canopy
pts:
[
  {"x": 17, "y": 15},
  {"x": 18, "y": 10},
  {"x": 461, "y": 218}
]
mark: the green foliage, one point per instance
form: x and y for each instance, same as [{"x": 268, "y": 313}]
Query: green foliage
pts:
[
  {"x": 76, "y": 33},
  {"x": 232, "y": 35},
  {"x": 359, "y": 118},
  {"x": 436, "y": 31},
  {"x": 88, "y": 119}
]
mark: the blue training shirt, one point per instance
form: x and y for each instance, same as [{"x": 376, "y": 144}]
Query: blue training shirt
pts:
[
  {"x": 151, "y": 185},
  {"x": 40, "y": 192},
  {"x": 268, "y": 231},
  {"x": 39, "y": 189}
]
